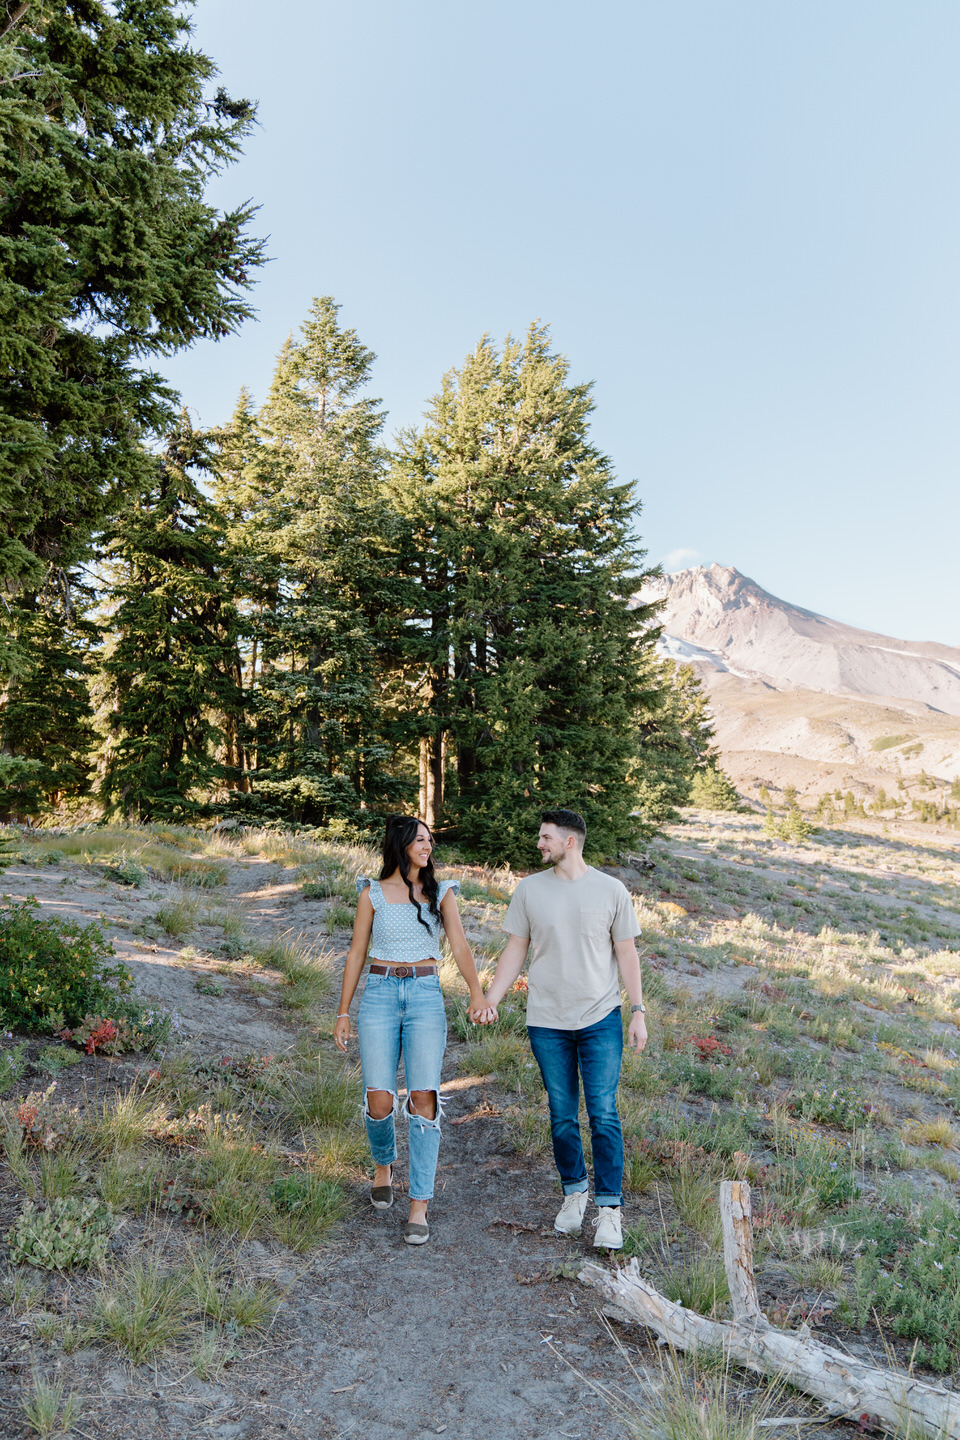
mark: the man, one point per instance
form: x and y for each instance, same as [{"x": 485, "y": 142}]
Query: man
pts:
[{"x": 580, "y": 926}]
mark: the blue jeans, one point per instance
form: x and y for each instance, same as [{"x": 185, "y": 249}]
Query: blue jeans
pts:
[
  {"x": 595, "y": 1052},
  {"x": 403, "y": 1017}
]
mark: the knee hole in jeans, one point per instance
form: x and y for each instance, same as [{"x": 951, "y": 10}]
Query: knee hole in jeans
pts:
[
  {"x": 380, "y": 1104},
  {"x": 423, "y": 1103}
]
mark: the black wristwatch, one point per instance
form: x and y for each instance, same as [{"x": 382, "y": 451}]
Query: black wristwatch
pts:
[{"x": 635, "y": 1008}]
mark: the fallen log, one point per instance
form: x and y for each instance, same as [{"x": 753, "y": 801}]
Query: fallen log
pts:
[{"x": 846, "y": 1387}]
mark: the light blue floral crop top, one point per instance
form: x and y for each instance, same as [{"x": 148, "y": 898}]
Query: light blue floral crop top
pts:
[{"x": 397, "y": 935}]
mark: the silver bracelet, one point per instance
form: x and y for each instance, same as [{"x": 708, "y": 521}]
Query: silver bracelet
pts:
[{"x": 344, "y": 1016}]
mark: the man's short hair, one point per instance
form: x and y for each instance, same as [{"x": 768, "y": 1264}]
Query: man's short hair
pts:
[{"x": 566, "y": 820}]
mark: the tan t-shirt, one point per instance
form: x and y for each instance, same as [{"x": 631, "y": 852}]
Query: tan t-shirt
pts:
[{"x": 571, "y": 926}]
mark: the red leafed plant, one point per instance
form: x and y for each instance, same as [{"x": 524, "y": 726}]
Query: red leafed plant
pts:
[
  {"x": 103, "y": 1033},
  {"x": 101, "y": 1036},
  {"x": 521, "y": 984},
  {"x": 708, "y": 1045}
]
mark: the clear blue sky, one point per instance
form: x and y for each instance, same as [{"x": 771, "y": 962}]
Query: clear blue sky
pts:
[{"x": 741, "y": 220}]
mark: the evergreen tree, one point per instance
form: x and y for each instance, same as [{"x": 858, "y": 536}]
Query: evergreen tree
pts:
[
  {"x": 712, "y": 789},
  {"x": 676, "y": 739},
  {"x": 108, "y": 253},
  {"x": 305, "y": 477},
  {"x": 519, "y": 564},
  {"x": 45, "y": 710},
  {"x": 242, "y": 482},
  {"x": 171, "y": 664}
]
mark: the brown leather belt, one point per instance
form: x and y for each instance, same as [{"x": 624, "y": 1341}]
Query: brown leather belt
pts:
[{"x": 404, "y": 972}]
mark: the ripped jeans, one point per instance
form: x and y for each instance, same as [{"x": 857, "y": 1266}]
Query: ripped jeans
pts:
[{"x": 403, "y": 1017}]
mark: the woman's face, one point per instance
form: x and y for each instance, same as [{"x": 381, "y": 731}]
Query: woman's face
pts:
[{"x": 421, "y": 848}]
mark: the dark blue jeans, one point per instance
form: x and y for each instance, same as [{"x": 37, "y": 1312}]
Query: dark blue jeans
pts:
[{"x": 595, "y": 1054}]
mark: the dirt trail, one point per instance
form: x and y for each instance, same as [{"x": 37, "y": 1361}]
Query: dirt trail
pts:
[{"x": 475, "y": 1335}]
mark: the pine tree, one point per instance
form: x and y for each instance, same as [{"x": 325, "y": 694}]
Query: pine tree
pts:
[
  {"x": 712, "y": 789},
  {"x": 45, "y": 712},
  {"x": 519, "y": 565},
  {"x": 172, "y": 659},
  {"x": 307, "y": 476},
  {"x": 108, "y": 254},
  {"x": 677, "y": 742}
]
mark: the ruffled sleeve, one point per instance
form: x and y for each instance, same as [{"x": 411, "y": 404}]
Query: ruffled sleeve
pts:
[
  {"x": 446, "y": 885},
  {"x": 362, "y": 882}
]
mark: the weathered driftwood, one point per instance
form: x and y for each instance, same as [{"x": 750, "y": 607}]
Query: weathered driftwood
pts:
[
  {"x": 736, "y": 1216},
  {"x": 845, "y": 1386}
]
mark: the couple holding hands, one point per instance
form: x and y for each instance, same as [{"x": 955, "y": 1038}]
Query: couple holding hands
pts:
[{"x": 579, "y": 928}]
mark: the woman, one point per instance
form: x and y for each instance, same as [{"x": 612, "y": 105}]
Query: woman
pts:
[{"x": 400, "y": 917}]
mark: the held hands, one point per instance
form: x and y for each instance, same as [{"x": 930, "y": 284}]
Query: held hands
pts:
[{"x": 480, "y": 1012}]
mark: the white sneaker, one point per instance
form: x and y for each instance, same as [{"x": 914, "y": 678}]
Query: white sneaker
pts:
[
  {"x": 609, "y": 1235},
  {"x": 571, "y": 1214}
]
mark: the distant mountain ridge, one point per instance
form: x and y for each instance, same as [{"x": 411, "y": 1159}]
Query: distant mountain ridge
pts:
[{"x": 722, "y": 621}]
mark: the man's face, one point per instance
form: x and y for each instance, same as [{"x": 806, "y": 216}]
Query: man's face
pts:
[{"x": 552, "y": 843}]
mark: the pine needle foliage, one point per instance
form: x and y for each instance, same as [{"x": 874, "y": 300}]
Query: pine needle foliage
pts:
[
  {"x": 108, "y": 253},
  {"x": 173, "y": 665},
  {"x": 46, "y": 714},
  {"x": 303, "y": 479},
  {"x": 520, "y": 562}
]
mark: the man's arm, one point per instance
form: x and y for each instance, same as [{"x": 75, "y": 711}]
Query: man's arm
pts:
[
  {"x": 509, "y": 965},
  {"x": 629, "y": 962}
]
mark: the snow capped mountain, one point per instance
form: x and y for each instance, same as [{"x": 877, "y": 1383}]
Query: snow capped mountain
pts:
[
  {"x": 799, "y": 698},
  {"x": 721, "y": 620}
]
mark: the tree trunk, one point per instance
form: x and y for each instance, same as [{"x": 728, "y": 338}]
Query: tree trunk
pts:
[{"x": 433, "y": 756}]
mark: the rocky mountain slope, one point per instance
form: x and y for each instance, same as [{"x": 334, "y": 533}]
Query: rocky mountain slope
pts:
[{"x": 799, "y": 698}]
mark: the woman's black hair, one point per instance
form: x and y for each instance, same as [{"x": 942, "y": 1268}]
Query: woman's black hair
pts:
[{"x": 401, "y": 832}]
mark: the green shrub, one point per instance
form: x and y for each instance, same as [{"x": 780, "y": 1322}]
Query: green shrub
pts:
[
  {"x": 54, "y": 1058},
  {"x": 920, "y": 1290},
  {"x": 840, "y": 1106},
  {"x": 129, "y": 1025},
  {"x": 13, "y": 1065},
  {"x": 69, "y": 1232},
  {"x": 53, "y": 972},
  {"x": 126, "y": 872}
]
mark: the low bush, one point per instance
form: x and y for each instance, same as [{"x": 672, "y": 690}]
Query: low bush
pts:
[
  {"x": 126, "y": 871},
  {"x": 129, "y": 1025},
  {"x": 919, "y": 1291},
  {"x": 69, "y": 1232},
  {"x": 53, "y": 972},
  {"x": 840, "y": 1106}
]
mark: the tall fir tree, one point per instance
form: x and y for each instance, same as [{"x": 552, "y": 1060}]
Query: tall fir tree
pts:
[
  {"x": 677, "y": 742},
  {"x": 109, "y": 254},
  {"x": 171, "y": 664},
  {"x": 305, "y": 479},
  {"x": 46, "y": 713},
  {"x": 520, "y": 564}
]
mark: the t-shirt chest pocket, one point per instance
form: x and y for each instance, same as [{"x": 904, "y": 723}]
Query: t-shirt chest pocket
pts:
[{"x": 595, "y": 925}]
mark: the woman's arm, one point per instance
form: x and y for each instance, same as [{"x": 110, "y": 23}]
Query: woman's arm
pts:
[
  {"x": 512, "y": 956},
  {"x": 462, "y": 954},
  {"x": 356, "y": 955}
]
